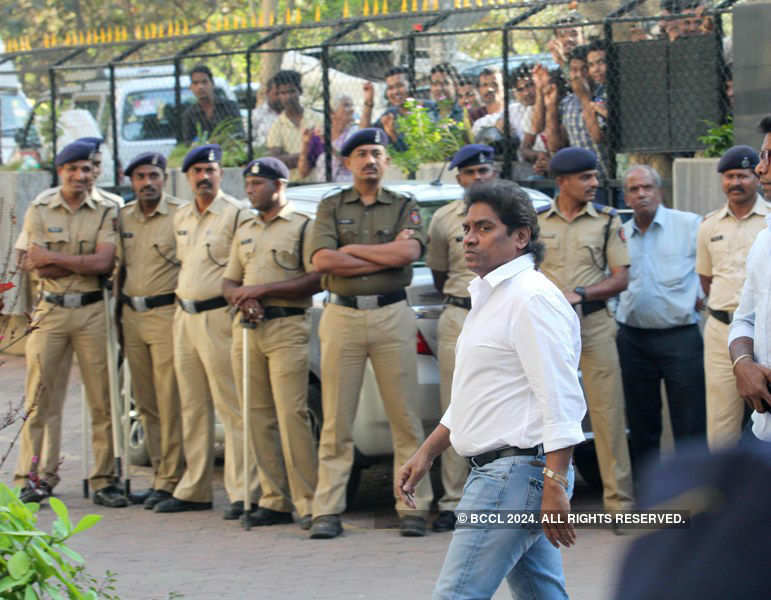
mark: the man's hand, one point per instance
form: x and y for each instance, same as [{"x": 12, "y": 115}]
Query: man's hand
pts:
[
  {"x": 550, "y": 95},
  {"x": 557, "y": 51},
  {"x": 555, "y": 507},
  {"x": 601, "y": 109},
  {"x": 53, "y": 272},
  {"x": 244, "y": 293},
  {"x": 410, "y": 475},
  {"x": 405, "y": 234},
  {"x": 752, "y": 381},
  {"x": 307, "y": 136},
  {"x": 368, "y": 90},
  {"x": 389, "y": 124},
  {"x": 252, "y": 310},
  {"x": 580, "y": 87},
  {"x": 572, "y": 297},
  {"x": 700, "y": 305},
  {"x": 37, "y": 256},
  {"x": 540, "y": 77}
]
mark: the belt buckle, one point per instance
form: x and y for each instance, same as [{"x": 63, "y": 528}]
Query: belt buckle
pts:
[
  {"x": 72, "y": 300},
  {"x": 188, "y": 305},
  {"x": 139, "y": 303},
  {"x": 367, "y": 302}
]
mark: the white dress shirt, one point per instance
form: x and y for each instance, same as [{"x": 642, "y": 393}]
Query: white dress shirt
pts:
[
  {"x": 752, "y": 318},
  {"x": 516, "y": 365}
]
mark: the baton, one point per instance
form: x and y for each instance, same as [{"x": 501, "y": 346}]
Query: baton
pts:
[
  {"x": 112, "y": 377},
  {"x": 126, "y": 420},
  {"x": 84, "y": 438},
  {"x": 246, "y": 325}
]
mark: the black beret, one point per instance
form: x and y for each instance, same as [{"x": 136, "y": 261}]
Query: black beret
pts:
[
  {"x": 208, "y": 153},
  {"x": 370, "y": 135},
  {"x": 572, "y": 160},
  {"x": 94, "y": 141},
  {"x": 73, "y": 152},
  {"x": 472, "y": 154},
  {"x": 155, "y": 159},
  {"x": 738, "y": 157},
  {"x": 268, "y": 167}
]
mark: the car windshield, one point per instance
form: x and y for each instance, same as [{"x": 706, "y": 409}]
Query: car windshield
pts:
[{"x": 15, "y": 110}]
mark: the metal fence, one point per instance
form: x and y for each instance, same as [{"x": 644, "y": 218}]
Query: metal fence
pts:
[{"x": 664, "y": 79}]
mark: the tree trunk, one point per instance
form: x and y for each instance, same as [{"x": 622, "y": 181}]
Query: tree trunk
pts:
[{"x": 270, "y": 62}]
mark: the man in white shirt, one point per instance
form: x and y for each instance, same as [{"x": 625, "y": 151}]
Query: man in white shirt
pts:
[{"x": 516, "y": 406}]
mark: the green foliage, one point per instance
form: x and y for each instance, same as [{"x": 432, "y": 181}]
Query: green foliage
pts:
[
  {"x": 427, "y": 140},
  {"x": 718, "y": 139},
  {"x": 225, "y": 133},
  {"x": 35, "y": 564}
]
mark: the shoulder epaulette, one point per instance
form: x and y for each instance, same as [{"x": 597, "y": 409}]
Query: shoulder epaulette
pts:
[
  {"x": 45, "y": 196},
  {"x": 335, "y": 190},
  {"x": 175, "y": 201},
  {"x": 604, "y": 209},
  {"x": 712, "y": 213}
]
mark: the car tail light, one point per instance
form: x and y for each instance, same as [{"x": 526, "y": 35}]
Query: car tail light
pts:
[{"x": 423, "y": 347}]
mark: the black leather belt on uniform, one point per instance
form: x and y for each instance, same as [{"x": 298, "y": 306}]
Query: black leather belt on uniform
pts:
[
  {"x": 722, "y": 315},
  {"x": 368, "y": 302},
  {"x": 278, "y": 312},
  {"x": 199, "y": 306},
  {"x": 593, "y": 306},
  {"x": 481, "y": 460},
  {"x": 145, "y": 303},
  {"x": 72, "y": 300},
  {"x": 458, "y": 301}
]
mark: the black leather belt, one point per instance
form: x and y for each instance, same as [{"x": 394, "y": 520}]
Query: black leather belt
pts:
[
  {"x": 593, "y": 306},
  {"x": 368, "y": 302},
  {"x": 458, "y": 301},
  {"x": 145, "y": 303},
  {"x": 722, "y": 315},
  {"x": 199, "y": 306},
  {"x": 72, "y": 300},
  {"x": 278, "y": 312},
  {"x": 481, "y": 460}
]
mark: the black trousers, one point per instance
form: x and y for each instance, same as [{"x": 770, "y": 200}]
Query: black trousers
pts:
[{"x": 647, "y": 356}]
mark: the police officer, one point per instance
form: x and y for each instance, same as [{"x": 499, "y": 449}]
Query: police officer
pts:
[
  {"x": 150, "y": 268},
  {"x": 267, "y": 278},
  {"x": 204, "y": 231},
  {"x": 72, "y": 240},
  {"x": 364, "y": 240},
  {"x": 582, "y": 241},
  {"x": 97, "y": 192},
  {"x": 445, "y": 258},
  {"x": 725, "y": 238}
]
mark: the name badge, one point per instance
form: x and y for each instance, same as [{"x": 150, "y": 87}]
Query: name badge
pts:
[
  {"x": 345, "y": 221},
  {"x": 182, "y": 232},
  {"x": 55, "y": 230},
  {"x": 716, "y": 238},
  {"x": 127, "y": 234}
]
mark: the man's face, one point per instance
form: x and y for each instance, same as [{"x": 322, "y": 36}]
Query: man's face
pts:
[
  {"x": 147, "y": 182},
  {"x": 96, "y": 160},
  {"x": 569, "y": 37},
  {"x": 490, "y": 88},
  {"x": 289, "y": 96},
  {"x": 580, "y": 187},
  {"x": 486, "y": 243},
  {"x": 201, "y": 86},
  {"x": 739, "y": 185},
  {"x": 470, "y": 175},
  {"x": 763, "y": 170},
  {"x": 577, "y": 70},
  {"x": 397, "y": 89},
  {"x": 274, "y": 101},
  {"x": 468, "y": 96},
  {"x": 76, "y": 177},
  {"x": 262, "y": 192},
  {"x": 367, "y": 163},
  {"x": 524, "y": 90},
  {"x": 691, "y": 24},
  {"x": 596, "y": 66},
  {"x": 442, "y": 87},
  {"x": 204, "y": 179},
  {"x": 642, "y": 194}
]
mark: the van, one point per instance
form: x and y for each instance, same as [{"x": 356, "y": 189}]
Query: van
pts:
[{"x": 14, "y": 109}]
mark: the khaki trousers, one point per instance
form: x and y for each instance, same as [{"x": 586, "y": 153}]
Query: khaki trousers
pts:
[
  {"x": 605, "y": 399},
  {"x": 60, "y": 331},
  {"x": 454, "y": 467},
  {"x": 725, "y": 408},
  {"x": 149, "y": 348},
  {"x": 387, "y": 336},
  {"x": 280, "y": 429},
  {"x": 205, "y": 380}
]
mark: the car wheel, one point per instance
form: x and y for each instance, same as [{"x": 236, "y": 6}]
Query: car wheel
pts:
[
  {"x": 585, "y": 458},
  {"x": 137, "y": 447}
]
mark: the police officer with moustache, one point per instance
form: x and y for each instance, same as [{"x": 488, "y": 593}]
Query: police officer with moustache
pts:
[
  {"x": 204, "y": 231},
  {"x": 725, "y": 238},
  {"x": 269, "y": 279},
  {"x": 149, "y": 277},
  {"x": 583, "y": 240},
  {"x": 72, "y": 239},
  {"x": 445, "y": 258},
  {"x": 364, "y": 240}
]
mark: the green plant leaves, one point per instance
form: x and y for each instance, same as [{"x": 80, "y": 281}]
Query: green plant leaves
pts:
[
  {"x": 61, "y": 511},
  {"x": 86, "y": 522},
  {"x": 19, "y": 564}
]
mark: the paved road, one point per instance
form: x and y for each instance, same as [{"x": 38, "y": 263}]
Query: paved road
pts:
[{"x": 200, "y": 556}]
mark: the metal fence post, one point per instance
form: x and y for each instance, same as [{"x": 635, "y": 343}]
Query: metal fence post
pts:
[
  {"x": 411, "y": 63},
  {"x": 249, "y": 132},
  {"x": 178, "y": 95},
  {"x": 612, "y": 102},
  {"x": 327, "y": 112},
  {"x": 52, "y": 82},
  {"x": 507, "y": 150},
  {"x": 114, "y": 127}
]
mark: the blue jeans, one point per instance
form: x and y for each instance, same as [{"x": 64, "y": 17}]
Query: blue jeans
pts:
[{"x": 479, "y": 559}]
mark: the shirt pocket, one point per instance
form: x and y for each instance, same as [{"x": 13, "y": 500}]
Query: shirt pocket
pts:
[
  {"x": 56, "y": 238},
  {"x": 672, "y": 270},
  {"x": 286, "y": 255},
  {"x": 349, "y": 234},
  {"x": 166, "y": 251},
  {"x": 217, "y": 246}
]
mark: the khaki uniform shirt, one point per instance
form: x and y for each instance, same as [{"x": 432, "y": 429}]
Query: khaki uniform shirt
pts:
[
  {"x": 723, "y": 246},
  {"x": 343, "y": 219},
  {"x": 269, "y": 252},
  {"x": 104, "y": 196},
  {"x": 203, "y": 245},
  {"x": 574, "y": 250},
  {"x": 149, "y": 248},
  {"x": 445, "y": 248},
  {"x": 283, "y": 134},
  {"x": 52, "y": 224}
]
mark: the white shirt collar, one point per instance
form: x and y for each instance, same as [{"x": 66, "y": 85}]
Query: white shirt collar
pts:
[{"x": 506, "y": 271}]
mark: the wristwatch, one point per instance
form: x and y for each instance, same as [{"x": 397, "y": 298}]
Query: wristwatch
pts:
[{"x": 581, "y": 291}]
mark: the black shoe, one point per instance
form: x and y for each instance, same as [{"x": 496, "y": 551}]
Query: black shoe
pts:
[
  {"x": 265, "y": 516},
  {"x": 326, "y": 527},
  {"x": 305, "y": 522},
  {"x": 156, "y": 497},
  {"x": 444, "y": 522},
  {"x": 36, "y": 493},
  {"x": 173, "y": 505},
  {"x": 110, "y": 496},
  {"x": 233, "y": 511},
  {"x": 412, "y": 526},
  {"x": 140, "y": 497}
]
